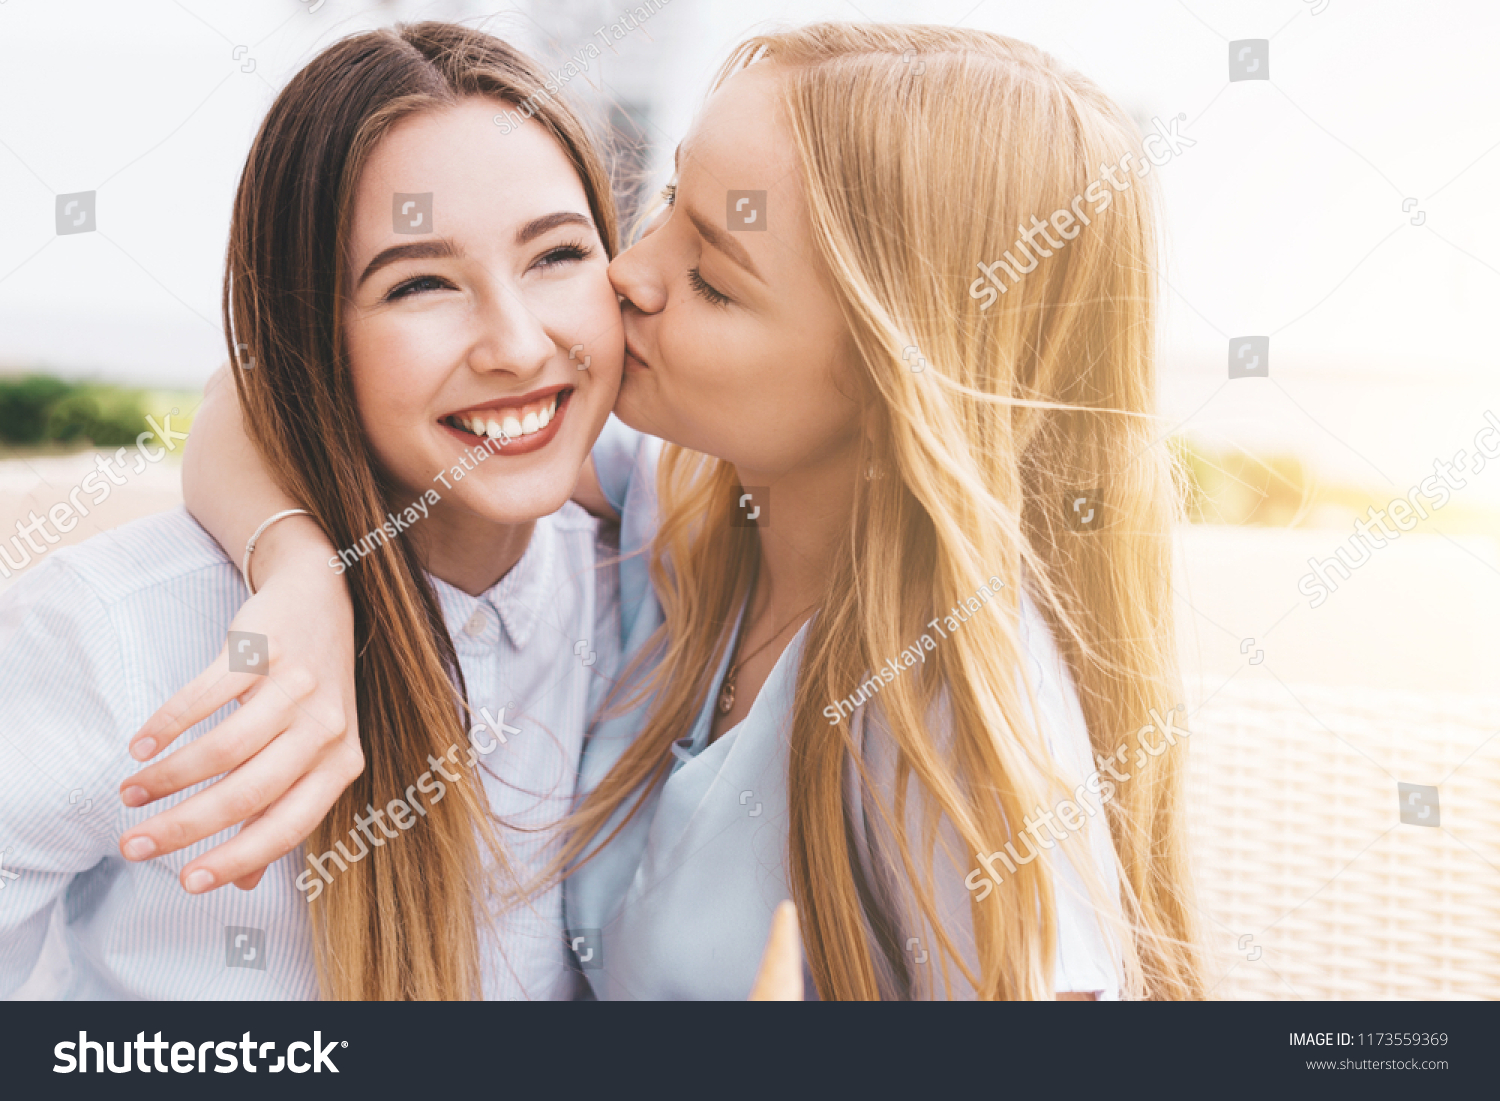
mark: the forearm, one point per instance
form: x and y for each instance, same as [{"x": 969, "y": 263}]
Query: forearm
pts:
[
  {"x": 284, "y": 756},
  {"x": 228, "y": 488}
]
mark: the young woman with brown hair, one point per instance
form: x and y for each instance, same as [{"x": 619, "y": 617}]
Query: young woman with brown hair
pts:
[{"x": 401, "y": 276}]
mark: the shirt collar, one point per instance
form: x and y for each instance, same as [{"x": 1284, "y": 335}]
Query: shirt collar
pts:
[{"x": 516, "y": 599}]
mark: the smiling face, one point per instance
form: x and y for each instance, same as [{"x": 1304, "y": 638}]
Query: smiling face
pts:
[
  {"x": 459, "y": 328},
  {"x": 736, "y": 345}
]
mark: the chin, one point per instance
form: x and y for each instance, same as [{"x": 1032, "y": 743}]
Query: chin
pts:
[{"x": 506, "y": 504}]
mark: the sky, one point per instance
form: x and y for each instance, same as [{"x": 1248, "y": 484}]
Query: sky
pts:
[{"x": 1287, "y": 218}]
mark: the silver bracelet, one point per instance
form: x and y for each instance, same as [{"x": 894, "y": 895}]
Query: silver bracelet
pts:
[{"x": 250, "y": 545}]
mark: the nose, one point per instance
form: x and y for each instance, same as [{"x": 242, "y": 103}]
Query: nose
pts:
[
  {"x": 636, "y": 275},
  {"x": 508, "y": 337}
]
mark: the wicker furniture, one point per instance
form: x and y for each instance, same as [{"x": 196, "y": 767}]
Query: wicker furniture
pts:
[{"x": 1309, "y": 883}]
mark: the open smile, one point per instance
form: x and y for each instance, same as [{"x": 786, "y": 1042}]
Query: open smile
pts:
[{"x": 512, "y": 426}]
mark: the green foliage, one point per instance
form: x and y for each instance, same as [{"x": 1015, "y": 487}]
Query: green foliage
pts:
[
  {"x": 41, "y": 411},
  {"x": 1224, "y": 485},
  {"x": 1233, "y": 487},
  {"x": 24, "y": 407}
]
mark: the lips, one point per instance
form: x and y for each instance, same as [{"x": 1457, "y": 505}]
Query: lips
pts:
[
  {"x": 630, "y": 351},
  {"x": 514, "y": 425}
]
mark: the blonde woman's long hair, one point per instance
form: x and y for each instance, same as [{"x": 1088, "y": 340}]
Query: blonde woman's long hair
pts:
[{"x": 922, "y": 150}]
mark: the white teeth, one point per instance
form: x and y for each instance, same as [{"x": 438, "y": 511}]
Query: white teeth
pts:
[{"x": 498, "y": 425}]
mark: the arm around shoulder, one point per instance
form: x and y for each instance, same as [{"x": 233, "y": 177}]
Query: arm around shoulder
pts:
[{"x": 229, "y": 490}]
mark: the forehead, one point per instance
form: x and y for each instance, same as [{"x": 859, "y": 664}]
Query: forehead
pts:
[
  {"x": 742, "y": 143},
  {"x": 478, "y": 176},
  {"x": 741, "y": 137}
]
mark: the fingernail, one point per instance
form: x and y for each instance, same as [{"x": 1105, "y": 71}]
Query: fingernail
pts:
[
  {"x": 135, "y": 796},
  {"x": 139, "y": 848},
  {"x": 198, "y": 881},
  {"x": 144, "y": 749}
]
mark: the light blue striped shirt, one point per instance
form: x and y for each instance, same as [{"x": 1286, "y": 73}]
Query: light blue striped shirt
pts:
[
  {"x": 678, "y": 904},
  {"x": 99, "y": 635}
]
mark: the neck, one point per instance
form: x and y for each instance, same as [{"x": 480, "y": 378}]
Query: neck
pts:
[
  {"x": 809, "y": 517},
  {"x": 470, "y": 552}
]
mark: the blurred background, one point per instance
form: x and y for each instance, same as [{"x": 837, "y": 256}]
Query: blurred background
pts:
[{"x": 1337, "y": 208}]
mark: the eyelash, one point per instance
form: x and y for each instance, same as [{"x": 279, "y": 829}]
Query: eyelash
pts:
[
  {"x": 573, "y": 251},
  {"x": 700, "y": 285},
  {"x": 408, "y": 288},
  {"x": 705, "y": 290}
]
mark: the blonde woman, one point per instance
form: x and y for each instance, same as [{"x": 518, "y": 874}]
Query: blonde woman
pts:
[{"x": 873, "y": 654}]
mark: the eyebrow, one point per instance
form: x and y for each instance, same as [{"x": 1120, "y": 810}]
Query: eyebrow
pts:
[
  {"x": 718, "y": 238},
  {"x": 538, "y": 226},
  {"x": 443, "y": 248},
  {"x": 435, "y": 248},
  {"x": 726, "y": 244}
]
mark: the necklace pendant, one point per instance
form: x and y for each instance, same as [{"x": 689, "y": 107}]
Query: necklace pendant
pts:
[{"x": 726, "y": 696}]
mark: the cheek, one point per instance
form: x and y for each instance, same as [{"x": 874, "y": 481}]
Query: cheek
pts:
[
  {"x": 596, "y": 321},
  {"x": 395, "y": 374},
  {"x": 706, "y": 390},
  {"x": 728, "y": 364},
  {"x": 780, "y": 398},
  {"x": 585, "y": 311},
  {"x": 399, "y": 362},
  {"x": 411, "y": 341},
  {"x": 590, "y": 303},
  {"x": 701, "y": 350}
]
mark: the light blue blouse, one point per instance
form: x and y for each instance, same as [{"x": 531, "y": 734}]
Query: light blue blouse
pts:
[
  {"x": 95, "y": 638},
  {"x": 678, "y": 905}
]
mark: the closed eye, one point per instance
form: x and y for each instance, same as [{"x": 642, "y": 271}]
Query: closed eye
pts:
[{"x": 705, "y": 289}]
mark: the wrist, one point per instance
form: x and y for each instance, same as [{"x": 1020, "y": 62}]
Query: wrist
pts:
[{"x": 293, "y": 547}]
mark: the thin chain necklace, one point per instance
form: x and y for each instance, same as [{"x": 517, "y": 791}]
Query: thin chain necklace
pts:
[{"x": 726, "y": 690}]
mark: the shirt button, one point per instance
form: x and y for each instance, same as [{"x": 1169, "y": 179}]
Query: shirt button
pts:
[{"x": 477, "y": 623}]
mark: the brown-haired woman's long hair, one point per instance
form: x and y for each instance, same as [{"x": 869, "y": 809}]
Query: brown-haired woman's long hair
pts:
[
  {"x": 914, "y": 173},
  {"x": 404, "y": 922}
]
